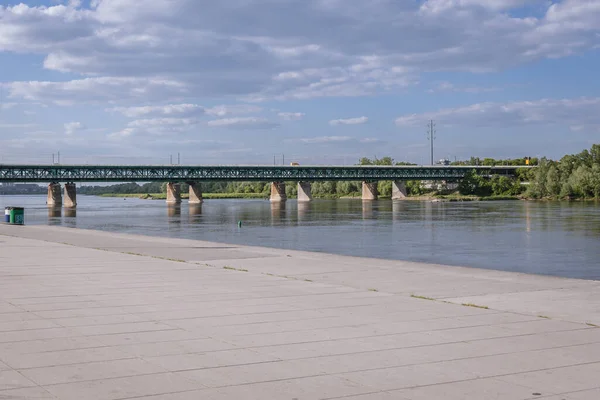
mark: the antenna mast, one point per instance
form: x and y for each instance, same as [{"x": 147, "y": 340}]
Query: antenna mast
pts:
[{"x": 431, "y": 136}]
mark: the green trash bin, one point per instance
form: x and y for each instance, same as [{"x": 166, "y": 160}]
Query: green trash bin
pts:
[{"x": 17, "y": 215}]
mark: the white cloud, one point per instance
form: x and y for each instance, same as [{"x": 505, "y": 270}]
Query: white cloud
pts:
[
  {"x": 575, "y": 112},
  {"x": 173, "y": 49},
  {"x": 182, "y": 110},
  {"x": 243, "y": 123},
  {"x": 291, "y": 116},
  {"x": 102, "y": 89},
  {"x": 349, "y": 121},
  {"x": 237, "y": 109},
  {"x": 7, "y": 106},
  {"x": 450, "y": 87},
  {"x": 156, "y": 127},
  {"x": 162, "y": 122},
  {"x": 73, "y": 127},
  {"x": 326, "y": 139},
  {"x": 370, "y": 140},
  {"x": 13, "y": 126},
  {"x": 171, "y": 109}
]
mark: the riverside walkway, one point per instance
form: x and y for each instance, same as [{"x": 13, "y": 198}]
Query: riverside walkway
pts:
[{"x": 95, "y": 315}]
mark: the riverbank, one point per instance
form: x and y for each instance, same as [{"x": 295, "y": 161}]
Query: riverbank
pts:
[
  {"x": 163, "y": 196},
  {"x": 87, "y": 314},
  {"x": 443, "y": 198}
]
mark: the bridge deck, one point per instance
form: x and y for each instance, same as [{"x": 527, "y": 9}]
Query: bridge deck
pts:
[{"x": 104, "y": 173}]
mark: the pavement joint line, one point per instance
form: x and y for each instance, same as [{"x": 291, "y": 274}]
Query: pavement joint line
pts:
[
  {"x": 411, "y": 332},
  {"x": 534, "y": 319},
  {"x": 389, "y": 391},
  {"x": 82, "y": 335},
  {"x": 565, "y": 393},
  {"x": 132, "y": 357},
  {"x": 492, "y": 312},
  {"x": 436, "y": 345},
  {"x": 165, "y": 372},
  {"x": 280, "y": 360},
  {"x": 499, "y": 376},
  {"x": 204, "y": 389},
  {"x": 259, "y": 347}
]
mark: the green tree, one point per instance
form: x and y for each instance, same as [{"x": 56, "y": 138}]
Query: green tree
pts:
[
  {"x": 553, "y": 184},
  {"x": 474, "y": 184}
]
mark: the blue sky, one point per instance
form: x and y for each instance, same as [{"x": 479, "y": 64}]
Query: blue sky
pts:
[{"x": 321, "y": 81}]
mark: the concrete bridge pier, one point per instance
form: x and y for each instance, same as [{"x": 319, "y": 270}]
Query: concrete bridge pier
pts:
[
  {"x": 369, "y": 191},
  {"x": 278, "y": 192},
  {"x": 70, "y": 198},
  {"x": 54, "y": 195},
  {"x": 173, "y": 193},
  {"x": 304, "y": 192},
  {"x": 399, "y": 190},
  {"x": 195, "y": 193}
]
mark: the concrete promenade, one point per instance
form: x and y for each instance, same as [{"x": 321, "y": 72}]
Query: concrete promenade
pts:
[{"x": 88, "y": 315}]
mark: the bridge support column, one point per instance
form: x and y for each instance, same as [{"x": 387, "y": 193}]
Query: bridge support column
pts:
[
  {"x": 70, "y": 196},
  {"x": 399, "y": 190},
  {"x": 195, "y": 193},
  {"x": 369, "y": 191},
  {"x": 278, "y": 192},
  {"x": 304, "y": 192},
  {"x": 54, "y": 195},
  {"x": 173, "y": 193}
]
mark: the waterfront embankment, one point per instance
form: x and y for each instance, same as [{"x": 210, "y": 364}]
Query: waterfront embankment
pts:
[{"x": 100, "y": 315}]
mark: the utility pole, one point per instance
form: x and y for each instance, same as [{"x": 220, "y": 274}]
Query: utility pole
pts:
[
  {"x": 282, "y": 159},
  {"x": 431, "y": 136},
  {"x": 178, "y": 159}
]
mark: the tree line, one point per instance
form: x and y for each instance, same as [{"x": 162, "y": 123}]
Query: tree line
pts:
[{"x": 575, "y": 176}]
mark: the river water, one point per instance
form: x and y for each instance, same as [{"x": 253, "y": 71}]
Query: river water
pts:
[{"x": 551, "y": 238}]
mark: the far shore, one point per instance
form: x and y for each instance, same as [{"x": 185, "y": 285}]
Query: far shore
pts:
[{"x": 434, "y": 198}]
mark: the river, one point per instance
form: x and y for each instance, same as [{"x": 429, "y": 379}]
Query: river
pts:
[{"x": 551, "y": 238}]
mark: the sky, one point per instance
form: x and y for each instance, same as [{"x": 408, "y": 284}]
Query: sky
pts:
[{"x": 307, "y": 81}]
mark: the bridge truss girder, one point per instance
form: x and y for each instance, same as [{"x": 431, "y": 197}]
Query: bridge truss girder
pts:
[{"x": 95, "y": 173}]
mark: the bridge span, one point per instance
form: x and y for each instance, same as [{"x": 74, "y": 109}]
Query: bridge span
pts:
[{"x": 194, "y": 175}]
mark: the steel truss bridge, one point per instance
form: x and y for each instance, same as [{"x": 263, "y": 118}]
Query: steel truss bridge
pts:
[{"x": 149, "y": 173}]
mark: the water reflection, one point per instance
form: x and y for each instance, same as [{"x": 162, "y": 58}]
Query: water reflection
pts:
[
  {"x": 527, "y": 208},
  {"x": 304, "y": 209},
  {"x": 278, "y": 212},
  {"x": 54, "y": 212},
  {"x": 70, "y": 212},
  {"x": 173, "y": 211},
  {"x": 368, "y": 210},
  {"x": 399, "y": 208}
]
